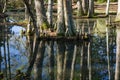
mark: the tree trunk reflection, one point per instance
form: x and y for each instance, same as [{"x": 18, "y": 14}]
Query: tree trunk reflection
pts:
[
  {"x": 76, "y": 48},
  {"x": 83, "y": 62},
  {"x": 117, "y": 70},
  {"x": 39, "y": 61},
  {"x": 51, "y": 59},
  {"x": 60, "y": 57}
]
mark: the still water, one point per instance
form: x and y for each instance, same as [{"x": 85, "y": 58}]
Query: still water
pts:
[{"x": 61, "y": 60}]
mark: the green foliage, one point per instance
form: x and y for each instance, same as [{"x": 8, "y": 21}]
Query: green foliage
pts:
[
  {"x": 101, "y": 1},
  {"x": 44, "y": 26},
  {"x": 14, "y": 4}
]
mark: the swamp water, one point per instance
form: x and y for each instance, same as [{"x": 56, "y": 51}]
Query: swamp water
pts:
[{"x": 57, "y": 60}]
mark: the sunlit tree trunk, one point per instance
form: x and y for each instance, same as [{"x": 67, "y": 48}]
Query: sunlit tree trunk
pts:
[
  {"x": 49, "y": 12},
  {"x": 69, "y": 24},
  {"x": 107, "y": 7},
  {"x": 41, "y": 15},
  {"x": 39, "y": 61},
  {"x": 5, "y": 5},
  {"x": 85, "y": 6},
  {"x": 60, "y": 57},
  {"x": 26, "y": 11},
  {"x": 28, "y": 18},
  {"x": 60, "y": 18},
  {"x": 32, "y": 17},
  {"x": 91, "y": 8},
  {"x": 117, "y": 68},
  {"x": 79, "y": 8},
  {"x": 118, "y": 12}
]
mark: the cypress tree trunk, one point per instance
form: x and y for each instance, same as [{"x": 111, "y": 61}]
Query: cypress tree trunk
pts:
[
  {"x": 80, "y": 9},
  {"x": 49, "y": 12},
  {"x": 5, "y": 5},
  {"x": 26, "y": 13},
  {"x": 118, "y": 12},
  {"x": 91, "y": 8},
  {"x": 32, "y": 17},
  {"x": 60, "y": 18},
  {"x": 107, "y": 8},
  {"x": 69, "y": 24},
  {"x": 41, "y": 16},
  {"x": 85, "y": 6}
]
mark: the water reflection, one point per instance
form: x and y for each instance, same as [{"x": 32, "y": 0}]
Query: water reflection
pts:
[{"x": 62, "y": 60}]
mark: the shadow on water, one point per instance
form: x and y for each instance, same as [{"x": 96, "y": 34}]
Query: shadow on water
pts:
[{"x": 28, "y": 57}]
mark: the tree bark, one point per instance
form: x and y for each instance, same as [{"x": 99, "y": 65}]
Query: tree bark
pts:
[
  {"x": 79, "y": 8},
  {"x": 60, "y": 18},
  {"x": 69, "y": 24},
  {"x": 118, "y": 12},
  {"x": 49, "y": 12},
  {"x": 91, "y": 8},
  {"x": 5, "y": 5},
  {"x": 107, "y": 8},
  {"x": 32, "y": 17},
  {"x": 85, "y": 6},
  {"x": 41, "y": 15}
]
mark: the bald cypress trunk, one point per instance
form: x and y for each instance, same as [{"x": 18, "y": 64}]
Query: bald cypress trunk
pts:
[
  {"x": 91, "y": 8},
  {"x": 69, "y": 24},
  {"x": 41, "y": 15},
  {"x": 60, "y": 18},
  {"x": 79, "y": 8},
  {"x": 85, "y": 5},
  {"x": 32, "y": 17},
  {"x": 49, "y": 12},
  {"x": 118, "y": 12},
  {"x": 107, "y": 8}
]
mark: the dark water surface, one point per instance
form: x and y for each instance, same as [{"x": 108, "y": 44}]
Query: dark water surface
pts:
[{"x": 58, "y": 60}]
